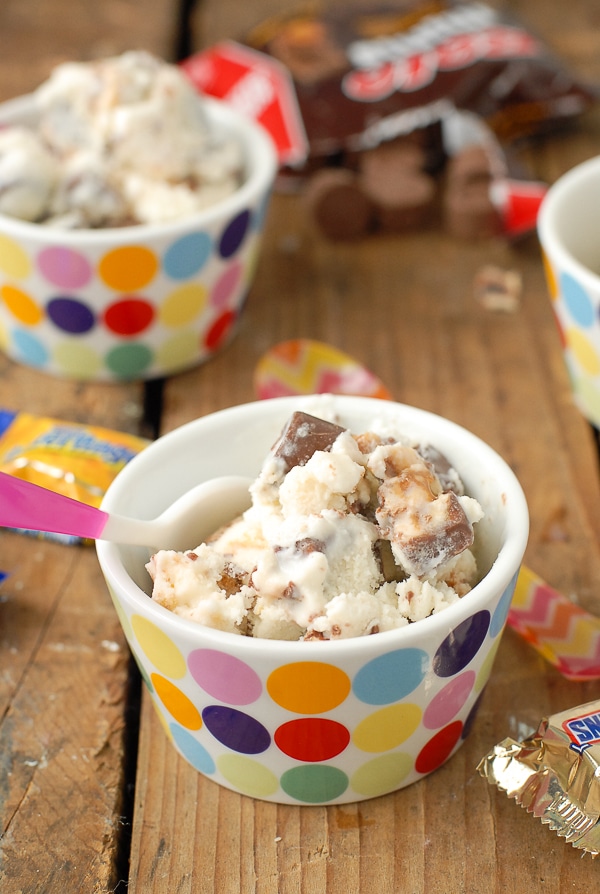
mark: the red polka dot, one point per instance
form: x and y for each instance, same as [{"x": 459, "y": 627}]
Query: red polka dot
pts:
[
  {"x": 439, "y": 748},
  {"x": 312, "y": 738},
  {"x": 129, "y": 316},
  {"x": 219, "y": 330}
]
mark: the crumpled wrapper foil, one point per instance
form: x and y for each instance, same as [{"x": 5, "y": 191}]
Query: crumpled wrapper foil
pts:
[{"x": 555, "y": 774}]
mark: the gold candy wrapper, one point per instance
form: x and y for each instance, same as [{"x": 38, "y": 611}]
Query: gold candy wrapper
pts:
[
  {"x": 76, "y": 460},
  {"x": 555, "y": 774}
]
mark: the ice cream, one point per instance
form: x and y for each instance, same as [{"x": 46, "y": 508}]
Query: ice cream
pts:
[
  {"x": 119, "y": 141},
  {"x": 347, "y": 535}
]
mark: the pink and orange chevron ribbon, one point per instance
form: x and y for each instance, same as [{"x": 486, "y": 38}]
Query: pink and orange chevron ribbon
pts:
[{"x": 565, "y": 634}]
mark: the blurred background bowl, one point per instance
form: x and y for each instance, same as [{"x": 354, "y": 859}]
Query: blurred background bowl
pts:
[
  {"x": 314, "y": 722},
  {"x": 137, "y": 302}
]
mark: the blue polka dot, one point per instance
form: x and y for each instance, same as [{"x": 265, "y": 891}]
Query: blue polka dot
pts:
[
  {"x": 261, "y": 213},
  {"x": 461, "y": 645},
  {"x": 233, "y": 234},
  {"x": 71, "y": 315},
  {"x": 390, "y": 677},
  {"x": 236, "y": 730},
  {"x": 579, "y": 303},
  {"x": 501, "y": 612},
  {"x": 29, "y": 349},
  {"x": 187, "y": 256},
  {"x": 192, "y": 750}
]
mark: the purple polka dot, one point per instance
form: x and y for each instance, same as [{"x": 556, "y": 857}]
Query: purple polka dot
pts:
[
  {"x": 461, "y": 645},
  {"x": 224, "y": 677},
  {"x": 233, "y": 234},
  {"x": 236, "y": 730},
  {"x": 64, "y": 267},
  {"x": 70, "y": 315},
  {"x": 226, "y": 285},
  {"x": 449, "y": 700}
]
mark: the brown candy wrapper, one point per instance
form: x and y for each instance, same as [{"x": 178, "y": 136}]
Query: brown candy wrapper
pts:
[{"x": 555, "y": 774}]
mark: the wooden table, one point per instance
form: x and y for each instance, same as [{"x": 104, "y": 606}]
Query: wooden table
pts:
[{"x": 93, "y": 797}]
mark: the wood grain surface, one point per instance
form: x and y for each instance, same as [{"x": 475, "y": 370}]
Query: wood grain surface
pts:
[{"x": 76, "y": 815}]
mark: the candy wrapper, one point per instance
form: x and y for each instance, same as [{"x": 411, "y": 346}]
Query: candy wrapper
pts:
[
  {"x": 399, "y": 117},
  {"x": 79, "y": 461},
  {"x": 555, "y": 774}
]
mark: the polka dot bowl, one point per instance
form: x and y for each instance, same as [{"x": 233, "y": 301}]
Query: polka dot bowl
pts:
[
  {"x": 136, "y": 302},
  {"x": 568, "y": 227},
  {"x": 314, "y": 722}
]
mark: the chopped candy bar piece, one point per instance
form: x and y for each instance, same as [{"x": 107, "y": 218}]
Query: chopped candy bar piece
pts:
[{"x": 304, "y": 435}]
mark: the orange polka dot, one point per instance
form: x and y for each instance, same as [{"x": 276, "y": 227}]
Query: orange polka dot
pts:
[
  {"x": 550, "y": 277},
  {"x": 176, "y": 702},
  {"x": 128, "y": 268},
  {"x": 21, "y": 305},
  {"x": 308, "y": 687}
]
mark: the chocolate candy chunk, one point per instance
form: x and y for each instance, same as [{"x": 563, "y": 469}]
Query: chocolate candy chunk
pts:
[
  {"x": 446, "y": 473},
  {"x": 338, "y": 205},
  {"x": 302, "y": 436}
]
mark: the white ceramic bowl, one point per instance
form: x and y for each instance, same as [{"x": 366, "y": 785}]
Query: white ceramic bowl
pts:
[
  {"x": 135, "y": 302},
  {"x": 569, "y": 228},
  {"x": 314, "y": 722}
]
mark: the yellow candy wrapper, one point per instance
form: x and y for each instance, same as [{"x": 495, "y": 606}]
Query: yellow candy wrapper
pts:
[
  {"x": 76, "y": 460},
  {"x": 555, "y": 774}
]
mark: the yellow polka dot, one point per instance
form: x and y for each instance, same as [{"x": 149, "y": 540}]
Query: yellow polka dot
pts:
[
  {"x": 13, "y": 260},
  {"x": 128, "y": 268},
  {"x": 484, "y": 671},
  {"x": 179, "y": 706},
  {"x": 587, "y": 395},
  {"x": 4, "y": 337},
  {"x": 183, "y": 305},
  {"x": 584, "y": 351},
  {"x": 21, "y": 305},
  {"x": 177, "y": 352},
  {"x": 77, "y": 360},
  {"x": 158, "y": 647},
  {"x": 550, "y": 277},
  {"x": 387, "y": 728},
  {"x": 308, "y": 687}
]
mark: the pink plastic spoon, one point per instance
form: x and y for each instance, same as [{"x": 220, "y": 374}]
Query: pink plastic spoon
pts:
[{"x": 185, "y": 524}]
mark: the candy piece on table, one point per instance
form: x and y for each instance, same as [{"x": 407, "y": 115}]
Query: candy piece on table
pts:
[
  {"x": 564, "y": 633},
  {"x": 337, "y": 204},
  {"x": 304, "y": 366},
  {"x": 553, "y": 774}
]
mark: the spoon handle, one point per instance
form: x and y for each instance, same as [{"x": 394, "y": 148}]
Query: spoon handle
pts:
[{"x": 27, "y": 505}]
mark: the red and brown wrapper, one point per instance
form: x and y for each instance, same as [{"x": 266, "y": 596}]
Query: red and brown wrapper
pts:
[{"x": 555, "y": 774}]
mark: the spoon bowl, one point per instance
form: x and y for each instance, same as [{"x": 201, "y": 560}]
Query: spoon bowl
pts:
[{"x": 183, "y": 525}]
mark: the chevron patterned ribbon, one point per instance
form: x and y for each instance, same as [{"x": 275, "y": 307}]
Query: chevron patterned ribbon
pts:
[{"x": 566, "y": 635}]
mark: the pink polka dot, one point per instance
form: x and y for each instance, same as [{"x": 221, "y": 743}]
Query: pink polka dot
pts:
[
  {"x": 449, "y": 700},
  {"x": 129, "y": 316},
  {"x": 226, "y": 285},
  {"x": 64, "y": 267},
  {"x": 224, "y": 677}
]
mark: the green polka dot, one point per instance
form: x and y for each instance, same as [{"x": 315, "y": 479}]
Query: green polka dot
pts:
[
  {"x": 247, "y": 775},
  {"x": 158, "y": 647},
  {"x": 314, "y": 783},
  {"x": 129, "y": 360},
  {"x": 383, "y": 774},
  {"x": 76, "y": 359},
  {"x": 387, "y": 728},
  {"x": 179, "y": 351},
  {"x": 13, "y": 260}
]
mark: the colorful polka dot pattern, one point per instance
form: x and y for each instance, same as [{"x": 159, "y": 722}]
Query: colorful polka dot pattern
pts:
[
  {"x": 310, "y": 731},
  {"x": 130, "y": 312},
  {"x": 577, "y": 314}
]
